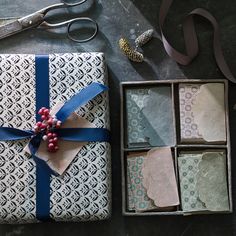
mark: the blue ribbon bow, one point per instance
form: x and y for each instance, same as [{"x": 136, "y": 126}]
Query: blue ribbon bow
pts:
[{"x": 69, "y": 134}]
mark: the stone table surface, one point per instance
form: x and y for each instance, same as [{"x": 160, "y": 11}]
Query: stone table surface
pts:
[{"x": 129, "y": 18}]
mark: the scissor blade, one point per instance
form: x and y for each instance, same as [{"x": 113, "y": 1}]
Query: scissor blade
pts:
[{"x": 10, "y": 29}]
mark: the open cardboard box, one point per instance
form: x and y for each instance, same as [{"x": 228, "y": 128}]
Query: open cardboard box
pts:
[{"x": 178, "y": 145}]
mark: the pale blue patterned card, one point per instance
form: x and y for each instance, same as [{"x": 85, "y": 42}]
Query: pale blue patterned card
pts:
[{"x": 149, "y": 114}]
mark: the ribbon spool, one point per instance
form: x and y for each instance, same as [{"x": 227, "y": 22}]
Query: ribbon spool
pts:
[{"x": 191, "y": 41}]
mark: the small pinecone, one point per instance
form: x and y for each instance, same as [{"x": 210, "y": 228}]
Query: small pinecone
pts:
[
  {"x": 144, "y": 38},
  {"x": 132, "y": 54}
]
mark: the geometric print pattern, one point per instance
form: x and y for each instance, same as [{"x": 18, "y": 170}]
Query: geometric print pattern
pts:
[
  {"x": 134, "y": 103},
  {"x": 187, "y": 98},
  {"x": 83, "y": 192},
  {"x": 188, "y": 169},
  {"x": 137, "y": 194}
]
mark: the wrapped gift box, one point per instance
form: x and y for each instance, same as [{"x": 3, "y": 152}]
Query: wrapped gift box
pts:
[{"x": 83, "y": 192}]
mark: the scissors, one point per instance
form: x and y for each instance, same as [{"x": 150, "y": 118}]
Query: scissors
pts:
[{"x": 37, "y": 20}]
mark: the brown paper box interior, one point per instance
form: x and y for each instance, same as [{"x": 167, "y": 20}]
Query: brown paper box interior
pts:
[{"x": 177, "y": 147}]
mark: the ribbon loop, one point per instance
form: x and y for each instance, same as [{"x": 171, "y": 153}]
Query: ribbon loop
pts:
[
  {"x": 191, "y": 41},
  {"x": 81, "y": 98}
]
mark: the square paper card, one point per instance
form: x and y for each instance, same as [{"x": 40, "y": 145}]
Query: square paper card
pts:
[
  {"x": 203, "y": 181},
  {"x": 151, "y": 181},
  {"x": 202, "y": 113},
  {"x": 149, "y": 114}
]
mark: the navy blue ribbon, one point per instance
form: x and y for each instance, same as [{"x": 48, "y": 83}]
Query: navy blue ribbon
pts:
[
  {"x": 80, "y": 99},
  {"x": 43, "y": 171},
  {"x": 68, "y": 134},
  {"x": 12, "y": 134}
]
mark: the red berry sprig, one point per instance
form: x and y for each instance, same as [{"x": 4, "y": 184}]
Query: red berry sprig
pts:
[{"x": 47, "y": 125}]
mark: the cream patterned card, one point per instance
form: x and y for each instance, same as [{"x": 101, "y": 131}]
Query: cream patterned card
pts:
[
  {"x": 202, "y": 113},
  {"x": 159, "y": 177}
]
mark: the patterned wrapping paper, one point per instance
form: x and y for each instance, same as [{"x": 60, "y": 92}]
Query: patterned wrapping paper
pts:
[{"x": 83, "y": 192}]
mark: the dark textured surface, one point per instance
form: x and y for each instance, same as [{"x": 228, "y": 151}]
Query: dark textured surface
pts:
[{"x": 118, "y": 18}]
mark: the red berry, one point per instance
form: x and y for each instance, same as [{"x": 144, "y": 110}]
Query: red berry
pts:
[
  {"x": 43, "y": 117},
  {"x": 46, "y": 112},
  {"x": 54, "y": 135},
  {"x": 58, "y": 125},
  {"x": 55, "y": 139},
  {"x": 39, "y": 124},
  {"x": 50, "y": 121},
  {"x": 40, "y": 112},
  {"x": 43, "y": 126},
  {"x": 50, "y": 135},
  {"x": 36, "y": 128},
  {"x": 50, "y": 140},
  {"x": 56, "y": 148},
  {"x": 51, "y": 146}
]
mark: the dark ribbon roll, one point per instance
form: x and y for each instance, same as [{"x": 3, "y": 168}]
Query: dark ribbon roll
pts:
[{"x": 191, "y": 40}]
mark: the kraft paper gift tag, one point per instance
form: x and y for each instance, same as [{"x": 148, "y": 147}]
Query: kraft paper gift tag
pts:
[
  {"x": 203, "y": 181},
  {"x": 137, "y": 195},
  {"x": 150, "y": 117},
  {"x": 60, "y": 160},
  {"x": 159, "y": 177},
  {"x": 202, "y": 112}
]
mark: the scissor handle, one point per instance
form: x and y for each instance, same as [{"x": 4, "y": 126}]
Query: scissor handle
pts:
[
  {"x": 82, "y": 19},
  {"x": 73, "y": 4},
  {"x": 63, "y": 4},
  {"x": 69, "y": 24}
]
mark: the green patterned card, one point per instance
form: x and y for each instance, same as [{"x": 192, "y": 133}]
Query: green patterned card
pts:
[{"x": 203, "y": 181}]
